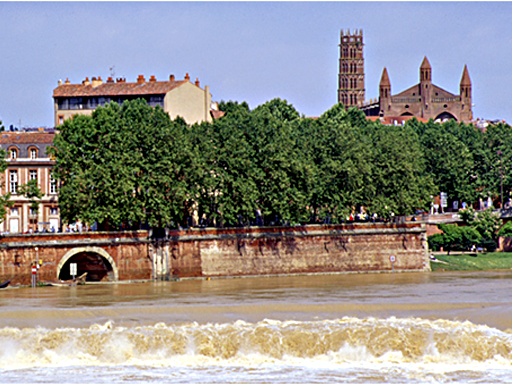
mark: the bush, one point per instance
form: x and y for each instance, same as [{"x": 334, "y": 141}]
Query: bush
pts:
[
  {"x": 455, "y": 238},
  {"x": 481, "y": 232},
  {"x": 506, "y": 230},
  {"x": 436, "y": 242}
]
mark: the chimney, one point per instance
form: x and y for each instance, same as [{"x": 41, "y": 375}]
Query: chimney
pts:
[
  {"x": 120, "y": 80},
  {"x": 110, "y": 80},
  {"x": 86, "y": 81},
  {"x": 96, "y": 81},
  {"x": 140, "y": 79},
  {"x": 197, "y": 82},
  {"x": 152, "y": 79},
  {"x": 67, "y": 81},
  {"x": 171, "y": 78},
  {"x": 187, "y": 77},
  {"x": 59, "y": 82}
]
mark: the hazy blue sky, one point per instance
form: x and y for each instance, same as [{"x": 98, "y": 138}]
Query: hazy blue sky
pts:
[{"x": 251, "y": 52}]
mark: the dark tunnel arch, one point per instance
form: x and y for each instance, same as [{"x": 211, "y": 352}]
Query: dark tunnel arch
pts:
[{"x": 94, "y": 260}]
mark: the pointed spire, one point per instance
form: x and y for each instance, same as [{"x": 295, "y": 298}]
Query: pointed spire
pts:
[
  {"x": 465, "y": 77},
  {"x": 384, "y": 80},
  {"x": 425, "y": 64}
]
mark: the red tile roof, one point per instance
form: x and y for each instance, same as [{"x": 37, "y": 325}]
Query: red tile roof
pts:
[
  {"x": 390, "y": 120},
  {"x": 217, "y": 114},
  {"x": 26, "y": 138},
  {"x": 116, "y": 89}
]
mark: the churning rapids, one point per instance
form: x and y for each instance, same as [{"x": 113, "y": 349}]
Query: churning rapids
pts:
[{"x": 400, "y": 328}]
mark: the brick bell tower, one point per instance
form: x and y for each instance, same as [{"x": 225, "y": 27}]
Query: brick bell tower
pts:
[{"x": 351, "y": 90}]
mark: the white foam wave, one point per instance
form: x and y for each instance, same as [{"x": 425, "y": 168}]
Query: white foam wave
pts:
[{"x": 342, "y": 342}]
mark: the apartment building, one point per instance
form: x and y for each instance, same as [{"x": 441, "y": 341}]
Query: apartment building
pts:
[
  {"x": 27, "y": 160},
  {"x": 177, "y": 97}
]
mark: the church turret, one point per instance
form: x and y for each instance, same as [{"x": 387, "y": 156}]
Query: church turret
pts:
[
  {"x": 384, "y": 92},
  {"x": 425, "y": 71},
  {"x": 465, "y": 96},
  {"x": 425, "y": 87}
]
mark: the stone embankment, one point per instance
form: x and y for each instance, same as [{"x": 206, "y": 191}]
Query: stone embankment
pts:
[
  {"x": 363, "y": 247},
  {"x": 212, "y": 252}
]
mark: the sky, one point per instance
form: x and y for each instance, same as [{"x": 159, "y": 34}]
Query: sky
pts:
[{"x": 251, "y": 51}]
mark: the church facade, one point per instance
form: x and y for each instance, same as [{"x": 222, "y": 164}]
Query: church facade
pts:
[{"x": 424, "y": 100}]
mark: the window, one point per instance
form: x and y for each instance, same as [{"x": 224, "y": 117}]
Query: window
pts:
[
  {"x": 53, "y": 185},
  {"x": 14, "y": 211},
  {"x": 13, "y": 181},
  {"x": 92, "y": 103},
  {"x": 32, "y": 212},
  {"x": 13, "y": 153},
  {"x": 76, "y": 103},
  {"x": 32, "y": 174},
  {"x": 33, "y": 153},
  {"x": 61, "y": 119},
  {"x": 103, "y": 100},
  {"x": 157, "y": 100},
  {"x": 63, "y": 103},
  {"x": 54, "y": 211}
]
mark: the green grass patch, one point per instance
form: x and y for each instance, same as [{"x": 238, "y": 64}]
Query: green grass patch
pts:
[{"x": 473, "y": 262}]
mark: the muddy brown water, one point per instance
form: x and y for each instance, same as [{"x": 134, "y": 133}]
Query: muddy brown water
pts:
[{"x": 403, "y": 327}]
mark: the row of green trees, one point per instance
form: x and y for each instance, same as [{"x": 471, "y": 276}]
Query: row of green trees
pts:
[
  {"x": 131, "y": 165},
  {"x": 467, "y": 163}
]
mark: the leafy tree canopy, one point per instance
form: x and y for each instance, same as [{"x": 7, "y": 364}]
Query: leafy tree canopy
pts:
[
  {"x": 122, "y": 165},
  {"x": 5, "y": 201},
  {"x": 131, "y": 165}
]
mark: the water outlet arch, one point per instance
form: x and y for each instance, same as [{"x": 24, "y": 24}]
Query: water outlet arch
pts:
[{"x": 97, "y": 253}]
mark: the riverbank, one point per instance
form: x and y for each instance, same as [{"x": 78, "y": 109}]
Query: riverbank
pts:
[{"x": 472, "y": 261}]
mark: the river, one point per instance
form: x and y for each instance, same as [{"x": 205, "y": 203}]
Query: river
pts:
[{"x": 367, "y": 328}]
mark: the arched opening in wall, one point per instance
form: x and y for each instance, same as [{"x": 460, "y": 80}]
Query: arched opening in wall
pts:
[
  {"x": 445, "y": 116},
  {"x": 407, "y": 114},
  {"x": 98, "y": 268}
]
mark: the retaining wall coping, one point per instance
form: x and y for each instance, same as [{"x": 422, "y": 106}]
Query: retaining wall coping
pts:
[
  {"x": 72, "y": 243},
  {"x": 205, "y": 234},
  {"x": 285, "y": 233}
]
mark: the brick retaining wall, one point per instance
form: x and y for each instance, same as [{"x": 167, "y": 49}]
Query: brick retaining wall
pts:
[{"x": 212, "y": 252}]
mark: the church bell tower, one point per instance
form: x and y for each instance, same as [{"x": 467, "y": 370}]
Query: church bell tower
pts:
[{"x": 351, "y": 91}]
